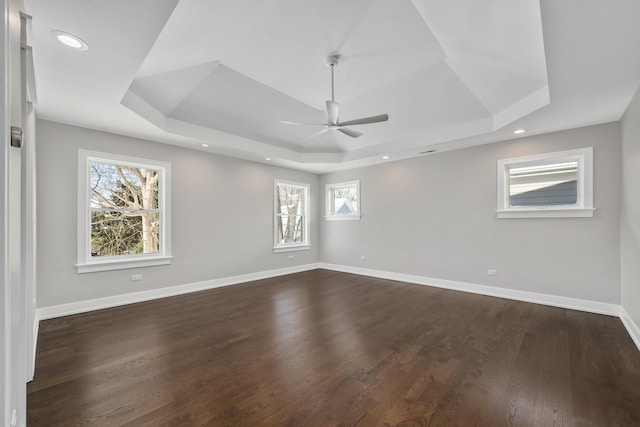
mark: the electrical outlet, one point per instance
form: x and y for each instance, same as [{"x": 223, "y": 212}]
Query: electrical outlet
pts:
[
  {"x": 492, "y": 272},
  {"x": 363, "y": 258},
  {"x": 136, "y": 277},
  {"x": 290, "y": 257}
]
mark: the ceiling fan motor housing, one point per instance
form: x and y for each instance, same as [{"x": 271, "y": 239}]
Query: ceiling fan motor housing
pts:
[{"x": 332, "y": 59}]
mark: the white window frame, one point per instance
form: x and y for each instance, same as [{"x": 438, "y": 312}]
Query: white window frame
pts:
[
  {"x": 87, "y": 263},
  {"x": 584, "y": 204},
  {"x": 291, "y": 247},
  {"x": 330, "y": 208}
]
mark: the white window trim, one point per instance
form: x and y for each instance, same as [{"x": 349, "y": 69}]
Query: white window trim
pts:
[
  {"x": 330, "y": 216},
  {"x": 87, "y": 264},
  {"x": 584, "y": 205},
  {"x": 291, "y": 247}
]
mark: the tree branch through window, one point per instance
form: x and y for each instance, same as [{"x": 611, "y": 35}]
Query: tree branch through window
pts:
[{"x": 124, "y": 210}]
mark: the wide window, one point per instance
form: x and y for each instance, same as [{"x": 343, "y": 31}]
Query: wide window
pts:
[
  {"x": 291, "y": 216},
  {"x": 343, "y": 201},
  {"x": 556, "y": 184},
  {"x": 123, "y": 212}
]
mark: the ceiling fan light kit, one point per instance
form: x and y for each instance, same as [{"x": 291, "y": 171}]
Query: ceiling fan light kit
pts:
[{"x": 333, "y": 109}]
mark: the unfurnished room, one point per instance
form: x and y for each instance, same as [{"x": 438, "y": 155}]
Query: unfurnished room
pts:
[{"x": 320, "y": 213}]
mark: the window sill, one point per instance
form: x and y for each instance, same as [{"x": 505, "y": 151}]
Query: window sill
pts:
[
  {"x": 547, "y": 213},
  {"x": 291, "y": 248},
  {"x": 120, "y": 264},
  {"x": 355, "y": 217}
]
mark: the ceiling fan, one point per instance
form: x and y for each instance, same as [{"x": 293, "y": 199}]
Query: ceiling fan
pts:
[{"x": 333, "y": 122}]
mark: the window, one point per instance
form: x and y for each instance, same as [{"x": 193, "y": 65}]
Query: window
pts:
[
  {"x": 343, "y": 201},
  {"x": 556, "y": 184},
  {"x": 291, "y": 216},
  {"x": 124, "y": 212}
]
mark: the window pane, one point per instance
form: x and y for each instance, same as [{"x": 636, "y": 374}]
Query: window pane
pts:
[
  {"x": 290, "y": 199},
  {"x": 290, "y": 202},
  {"x": 290, "y": 214},
  {"x": 290, "y": 229},
  {"x": 545, "y": 185},
  {"x": 345, "y": 200},
  {"x": 116, "y": 186},
  {"x": 124, "y": 233}
]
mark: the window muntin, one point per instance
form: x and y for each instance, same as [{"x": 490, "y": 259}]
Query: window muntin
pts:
[
  {"x": 343, "y": 201},
  {"x": 123, "y": 212},
  {"x": 291, "y": 206},
  {"x": 556, "y": 184}
]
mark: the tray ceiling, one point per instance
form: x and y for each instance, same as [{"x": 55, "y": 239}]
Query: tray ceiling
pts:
[{"x": 224, "y": 73}]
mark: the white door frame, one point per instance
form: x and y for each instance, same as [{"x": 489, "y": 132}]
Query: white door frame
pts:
[
  {"x": 5, "y": 296},
  {"x": 28, "y": 187}
]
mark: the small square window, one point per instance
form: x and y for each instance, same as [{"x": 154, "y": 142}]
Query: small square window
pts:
[
  {"x": 343, "y": 201},
  {"x": 556, "y": 184}
]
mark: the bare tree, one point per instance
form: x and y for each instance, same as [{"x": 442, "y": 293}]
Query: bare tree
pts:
[
  {"x": 290, "y": 218},
  {"x": 119, "y": 193}
]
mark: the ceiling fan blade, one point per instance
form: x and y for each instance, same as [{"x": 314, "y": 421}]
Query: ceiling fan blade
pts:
[
  {"x": 317, "y": 133},
  {"x": 366, "y": 120},
  {"x": 350, "y": 132},
  {"x": 332, "y": 111},
  {"x": 298, "y": 123}
]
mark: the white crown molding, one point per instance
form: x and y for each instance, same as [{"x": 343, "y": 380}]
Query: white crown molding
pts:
[{"x": 50, "y": 312}]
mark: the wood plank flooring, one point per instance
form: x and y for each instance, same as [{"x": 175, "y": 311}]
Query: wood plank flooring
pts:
[{"x": 323, "y": 348}]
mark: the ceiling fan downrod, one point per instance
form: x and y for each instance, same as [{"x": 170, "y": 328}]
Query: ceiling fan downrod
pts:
[
  {"x": 332, "y": 61},
  {"x": 332, "y": 98}
]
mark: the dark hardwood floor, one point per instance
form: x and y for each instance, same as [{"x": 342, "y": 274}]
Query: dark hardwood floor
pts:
[{"x": 331, "y": 349}]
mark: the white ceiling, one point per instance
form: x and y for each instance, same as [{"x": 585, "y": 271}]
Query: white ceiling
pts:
[{"x": 449, "y": 74}]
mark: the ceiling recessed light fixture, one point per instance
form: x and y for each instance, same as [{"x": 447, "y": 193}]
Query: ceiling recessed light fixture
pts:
[
  {"x": 519, "y": 131},
  {"x": 70, "y": 40},
  {"x": 267, "y": 158},
  {"x": 386, "y": 157},
  {"x": 205, "y": 145}
]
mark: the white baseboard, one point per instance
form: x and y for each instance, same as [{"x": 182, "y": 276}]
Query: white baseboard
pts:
[
  {"x": 533, "y": 297},
  {"x": 552, "y": 300},
  {"x": 36, "y": 328},
  {"x": 44, "y": 313},
  {"x": 632, "y": 328}
]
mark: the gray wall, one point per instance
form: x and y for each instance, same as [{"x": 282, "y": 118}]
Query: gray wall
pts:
[
  {"x": 222, "y": 216},
  {"x": 434, "y": 216},
  {"x": 630, "y": 210}
]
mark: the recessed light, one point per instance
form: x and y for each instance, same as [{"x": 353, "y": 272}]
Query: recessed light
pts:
[
  {"x": 205, "y": 145},
  {"x": 519, "y": 131},
  {"x": 70, "y": 40},
  {"x": 267, "y": 158},
  {"x": 386, "y": 157}
]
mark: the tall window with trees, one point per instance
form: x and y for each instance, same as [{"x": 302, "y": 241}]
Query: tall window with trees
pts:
[
  {"x": 291, "y": 216},
  {"x": 124, "y": 212}
]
